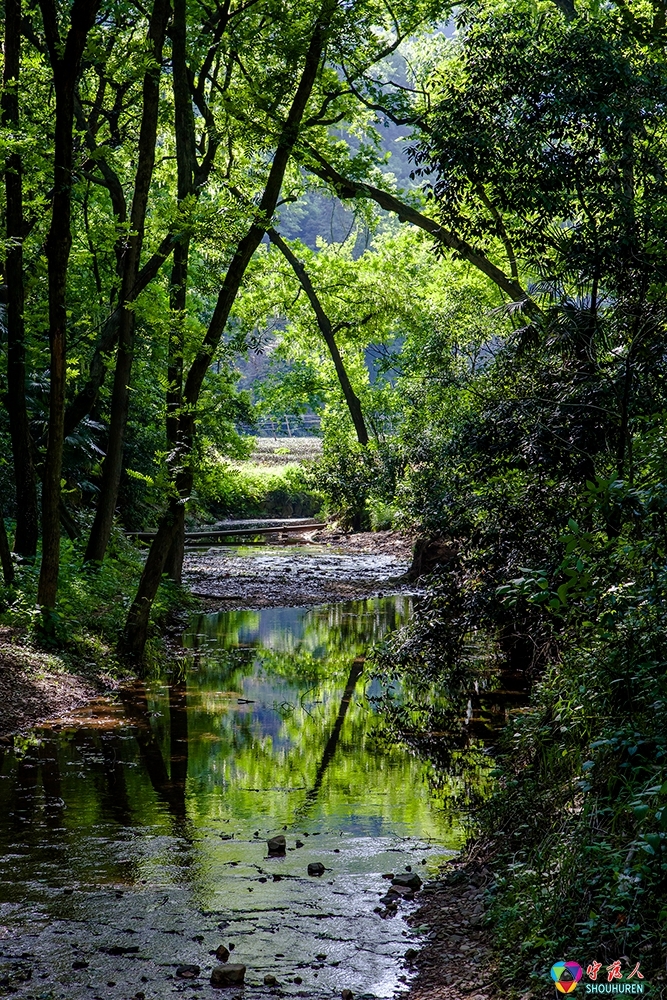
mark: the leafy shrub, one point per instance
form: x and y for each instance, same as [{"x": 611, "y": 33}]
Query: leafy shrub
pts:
[{"x": 247, "y": 490}]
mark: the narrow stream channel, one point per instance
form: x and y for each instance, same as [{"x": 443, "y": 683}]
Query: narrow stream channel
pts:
[{"x": 134, "y": 833}]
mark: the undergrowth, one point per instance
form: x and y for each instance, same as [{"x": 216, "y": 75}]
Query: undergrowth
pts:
[
  {"x": 246, "y": 489},
  {"x": 92, "y": 606},
  {"x": 577, "y": 827}
]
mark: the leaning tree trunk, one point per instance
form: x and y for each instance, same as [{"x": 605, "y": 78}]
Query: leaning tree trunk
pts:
[
  {"x": 120, "y": 398},
  {"x": 27, "y": 522},
  {"x": 135, "y": 633},
  {"x": 324, "y": 323},
  {"x": 65, "y": 63}
]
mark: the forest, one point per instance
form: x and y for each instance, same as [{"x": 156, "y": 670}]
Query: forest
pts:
[{"x": 428, "y": 239}]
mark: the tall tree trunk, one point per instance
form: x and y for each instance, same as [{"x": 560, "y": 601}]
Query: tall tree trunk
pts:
[
  {"x": 324, "y": 323},
  {"x": 65, "y": 63},
  {"x": 179, "y": 276},
  {"x": 135, "y": 633},
  {"x": 186, "y": 164},
  {"x": 27, "y": 522},
  {"x": 5, "y": 554},
  {"x": 120, "y": 398}
]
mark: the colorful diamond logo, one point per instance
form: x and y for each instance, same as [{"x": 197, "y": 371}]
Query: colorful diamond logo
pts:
[{"x": 566, "y": 975}]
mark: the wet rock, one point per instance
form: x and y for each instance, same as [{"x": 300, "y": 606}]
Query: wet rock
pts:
[
  {"x": 227, "y": 975},
  {"x": 299, "y": 843},
  {"x": 389, "y": 875},
  {"x": 79, "y": 964},
  {"x": 270, "y": 980},
  {"x": 187, "y": 971},
  {"x": 68, "y": 892},
  {"x": 222, "y": 953},
  {"x": 347, "y": 995},
  {"x": 410, "y": 880},
  {"x": 276, "y": 845},
  {"x": 119, "y": 949},
  {"x": 401, "y": 890},
  {"x": 321, "y": 957},
  {"x": 316, "y": 868},
  {"x": 411, "y": 954},
  {"x": 298, "y": 980}
]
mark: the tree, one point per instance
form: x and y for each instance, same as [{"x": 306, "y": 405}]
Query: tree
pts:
[
  {"x": 65, "y": 59},
  {"x": 27, "y": 516}
]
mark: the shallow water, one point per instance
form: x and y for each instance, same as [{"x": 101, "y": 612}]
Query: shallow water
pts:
[{"x": 134, "y": 834}]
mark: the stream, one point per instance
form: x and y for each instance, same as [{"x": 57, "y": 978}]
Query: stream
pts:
[{"x": 134, "y": 832}]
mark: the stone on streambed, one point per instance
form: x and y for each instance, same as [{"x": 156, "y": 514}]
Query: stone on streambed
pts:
[
  {"x": 222, "y": 953},
  {"x": 270, "y": 980},
  {"x": 409, "y": 880},
  {"x": 347, "y": 995},
  {"x": 316, "y": 868},
  {"x": 276, "y": 845},
  {"x": 227, "y": 975},
  {"x": 187, "y": 971},
  {"x": 399, "y": 892}
]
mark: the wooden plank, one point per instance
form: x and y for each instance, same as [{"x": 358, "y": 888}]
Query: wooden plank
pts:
[{"x": 193, "y": 536}]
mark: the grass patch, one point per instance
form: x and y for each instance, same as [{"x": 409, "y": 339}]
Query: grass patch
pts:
[{"x": 247, "y": 489}]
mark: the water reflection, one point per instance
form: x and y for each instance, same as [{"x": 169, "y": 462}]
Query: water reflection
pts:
[{"x": 133, "y": 834}]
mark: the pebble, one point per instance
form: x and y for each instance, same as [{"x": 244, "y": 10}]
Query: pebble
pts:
[
  {"x": 222, "y": 953},
  {"x": 315, "y": 868},
  {"x": 270, "y": 980}
]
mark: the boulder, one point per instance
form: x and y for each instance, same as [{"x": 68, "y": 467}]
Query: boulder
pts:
[
  {"x": 227, "y": 975},
  {"x": 222, "y": 953},
  {"x": 277, "y": 845},
  {"x": 316, "y": 868},
  {"x": 410, "y": 880}
]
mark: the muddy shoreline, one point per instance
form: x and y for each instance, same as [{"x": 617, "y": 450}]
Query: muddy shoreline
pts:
[{"x": 300, "y": 571}]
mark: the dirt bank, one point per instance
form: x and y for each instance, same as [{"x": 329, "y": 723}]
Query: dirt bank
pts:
[{"x": 36, "y": 686}]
